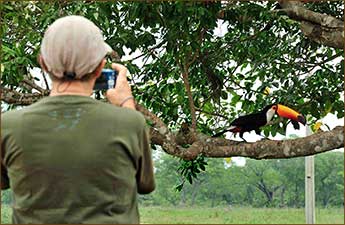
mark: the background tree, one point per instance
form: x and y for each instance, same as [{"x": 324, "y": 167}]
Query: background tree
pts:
[
  {"x": 193, "y": 83},
  {"x": 260, "y": 183},
  {"x": 265, "y": 178},
  {"x": 292, "y": 182},
  {"x": 327, "y": 177}
]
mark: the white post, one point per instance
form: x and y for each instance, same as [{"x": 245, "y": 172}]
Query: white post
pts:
[{"x": 309, "y": 186}]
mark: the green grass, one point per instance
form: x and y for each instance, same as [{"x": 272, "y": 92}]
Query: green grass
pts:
[{"x": 222, "y": 215}]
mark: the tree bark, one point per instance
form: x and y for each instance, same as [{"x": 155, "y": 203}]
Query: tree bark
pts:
[
  {"x": 265, "y": 149},
  {"x": 321, "y": 28}
]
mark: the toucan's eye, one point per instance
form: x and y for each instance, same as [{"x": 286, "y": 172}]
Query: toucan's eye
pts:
[{"x": 274, "y": 107}]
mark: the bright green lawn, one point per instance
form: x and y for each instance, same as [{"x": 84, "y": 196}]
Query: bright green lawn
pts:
[{"x": 223, "y": 215}]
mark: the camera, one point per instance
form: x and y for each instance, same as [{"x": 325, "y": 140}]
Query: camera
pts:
[{"x": 106, "y": 80}]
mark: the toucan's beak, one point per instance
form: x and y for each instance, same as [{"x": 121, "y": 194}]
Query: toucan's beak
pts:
[{"x": 286, "y": 112}]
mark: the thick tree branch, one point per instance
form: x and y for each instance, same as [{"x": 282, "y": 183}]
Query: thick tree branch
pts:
[
  {"x": 266, "y": 149},
  {"x": 269, "y": 149},
  {"x": 321, "y": 28}
]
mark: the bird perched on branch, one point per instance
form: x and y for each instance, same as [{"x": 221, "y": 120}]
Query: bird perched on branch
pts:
[{"x": 254, "y": 121}]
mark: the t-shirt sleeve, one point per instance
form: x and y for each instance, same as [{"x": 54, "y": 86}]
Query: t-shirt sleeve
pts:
[{"x": 145, "y": 174}]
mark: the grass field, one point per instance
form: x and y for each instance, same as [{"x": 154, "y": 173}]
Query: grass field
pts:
[{"x": 221, "y": 215}]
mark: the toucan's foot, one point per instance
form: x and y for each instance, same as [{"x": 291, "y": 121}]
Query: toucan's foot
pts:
[
  {"x": 244, "y": 140},
  {"x": 265, "y": 138}
]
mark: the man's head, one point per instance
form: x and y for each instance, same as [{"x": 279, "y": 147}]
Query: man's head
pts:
[{"x": 72, "y": 48}]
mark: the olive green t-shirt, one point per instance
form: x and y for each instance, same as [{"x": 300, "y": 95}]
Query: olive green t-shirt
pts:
[{"x": 73, "y": 159}]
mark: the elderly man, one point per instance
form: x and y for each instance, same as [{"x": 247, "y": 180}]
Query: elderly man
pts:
[{"x": 70, "y": 158}]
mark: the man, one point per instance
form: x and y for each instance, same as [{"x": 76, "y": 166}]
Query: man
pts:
[{"x": 70, "y": 158}]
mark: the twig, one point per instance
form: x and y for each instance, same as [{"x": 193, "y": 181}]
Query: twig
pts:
[
  {"x": 45, "y": 80},
  {"x": 35, "y": 86},
  {"x": 211, "y": 113}
]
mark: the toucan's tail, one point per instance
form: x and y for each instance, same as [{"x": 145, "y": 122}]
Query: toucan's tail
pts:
[{"x": 222, "y": 132}]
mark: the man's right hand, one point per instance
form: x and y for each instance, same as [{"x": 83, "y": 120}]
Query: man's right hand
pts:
[{"x": 122, "y": 90}]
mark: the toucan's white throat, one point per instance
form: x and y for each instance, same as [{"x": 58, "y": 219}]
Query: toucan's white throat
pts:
[{"x": 269, "y": 114}]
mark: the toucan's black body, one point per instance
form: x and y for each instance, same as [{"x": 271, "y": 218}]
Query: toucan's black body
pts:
[
  {"x": 248, "y": 123},
  {"x": 254, "y": 121}
]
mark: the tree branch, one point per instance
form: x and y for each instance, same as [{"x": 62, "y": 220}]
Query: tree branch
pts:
[
  {"x": 269, "y": 149},
  {"x": 16, "y": 98},
  {"x": 185, "y": 79},
  {"x": 321, "y": 28},
  {"x": 211, "y": 113},
  {"x": 45, "y": 80},
  {"x": 32, "y": 84}
]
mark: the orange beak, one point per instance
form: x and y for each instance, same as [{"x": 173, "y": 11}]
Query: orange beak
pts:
[{"x": 286, "y": 112}]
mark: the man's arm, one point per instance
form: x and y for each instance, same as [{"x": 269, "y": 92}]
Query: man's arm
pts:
[
  {"x": 5, "y": 181},
  {"x": 145, "y": 174},
  {"x": 5, "y": 184}
]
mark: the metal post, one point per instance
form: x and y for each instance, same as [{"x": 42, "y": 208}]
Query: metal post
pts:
[{"x": 309, "y": 186}]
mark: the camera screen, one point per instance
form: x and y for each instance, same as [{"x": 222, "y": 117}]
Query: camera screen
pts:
[
  {"x": 106, "y": 80},
  {"x": 101, "y": 83}
]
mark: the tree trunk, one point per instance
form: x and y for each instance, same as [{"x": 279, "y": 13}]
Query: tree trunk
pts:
[
  {"x": 296, "y": 203},
  {"x": 213, "y": 200},
  {"x": 196, "y": 186},
  {"x": 282, "y": 200},
  {"x": 269, "y": 196},
  {"x": 183, "y": 197}
]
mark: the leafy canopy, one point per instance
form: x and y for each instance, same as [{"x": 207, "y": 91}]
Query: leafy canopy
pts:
[{"x": 260, "y": 48}]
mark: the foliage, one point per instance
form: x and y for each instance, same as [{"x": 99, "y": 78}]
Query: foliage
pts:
[
  {"x": 329, "y": 179},
  {"x": 189, "y": 170},
  {"x": 260, "y": 49}
]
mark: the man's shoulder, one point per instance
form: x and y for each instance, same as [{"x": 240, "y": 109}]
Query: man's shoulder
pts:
[
  {"x": 123, "y": 114},
  {"x": 11, "y": 119},
  {"x": 16, "y": 113},
  {"x": 13, "y": 114}
]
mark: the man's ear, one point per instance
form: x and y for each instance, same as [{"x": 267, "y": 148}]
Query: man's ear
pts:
[
  {"x": 41, "y": 62},
  {"x": 98, "y": 70}
]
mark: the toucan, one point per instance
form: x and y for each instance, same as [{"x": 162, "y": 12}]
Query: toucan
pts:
[{"x": 256, "y": 120}]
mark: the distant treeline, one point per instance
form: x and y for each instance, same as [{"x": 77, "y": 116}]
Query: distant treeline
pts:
[{"x": 260, "y": 183}]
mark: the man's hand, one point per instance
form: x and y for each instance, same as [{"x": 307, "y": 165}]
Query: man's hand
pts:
[{"x": 122, "y": 92}]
